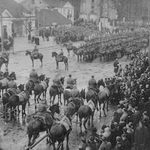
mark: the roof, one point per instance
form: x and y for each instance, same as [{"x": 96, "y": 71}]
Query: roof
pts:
[
  {"x": 48, "y": 17},
  {"x": 13, "y": 7}
]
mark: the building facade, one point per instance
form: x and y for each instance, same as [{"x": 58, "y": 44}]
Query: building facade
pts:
[
  {"x": 96, "y": 9},
  {"x": 66, "y": 9}
]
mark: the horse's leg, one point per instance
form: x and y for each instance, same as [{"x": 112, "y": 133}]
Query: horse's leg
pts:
[
  {"x": 41, "y": 62},
  {"x": 35, "y": 100},
  {"x": 107, "y": 102},
  {"x": 53, "y": 99},
  {"x": 29, "y": 139},
  {"x": 67, "y": 142},
  {"x": 57, "y": 64},
  {"x": 54, "y": 148},
  {"x": 35, "y": 136},
  {"x": 32, "y": 62},
  {"x": 80, "y": 124},
  {"x": 99, "y": 110},
  {"x": 92, "y": 119},
  {"x": 84, "y": 123},
  {"x": 24, "y": 109},
  {"x": 60, "y": 99},
  {"x": 104, "y": 109}
]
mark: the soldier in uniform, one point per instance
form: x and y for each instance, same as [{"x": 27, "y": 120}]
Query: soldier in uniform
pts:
[
  {"x": 70, "y": 82},
  {"x": 35, "y": 51},
  {"x": 92, "y": 84},
  {"x": 57, "y": 83},
  {"x": 33, "y": 76},
  {"x": 116, "y": 66}
]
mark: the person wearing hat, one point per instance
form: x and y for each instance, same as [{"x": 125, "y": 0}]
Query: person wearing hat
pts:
[
  {"x": 92, "y": 84},
  {"x": 70, "y": 82},
  {"x": 12, "y": 83},
  {"x": 33, "y": 75},
  {"x": 57, "y": 83},
  {"x": 105, "y": 144},
  {"x": 125, "y": 142},
  {"x": 35, "y": 51},
  {"x": 119, "y": 145}
]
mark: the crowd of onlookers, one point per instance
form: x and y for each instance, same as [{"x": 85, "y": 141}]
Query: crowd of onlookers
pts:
[{"x": 130, "y": 125}]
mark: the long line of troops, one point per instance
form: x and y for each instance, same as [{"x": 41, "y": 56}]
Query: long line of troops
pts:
[{"x": 111, "y": 47}]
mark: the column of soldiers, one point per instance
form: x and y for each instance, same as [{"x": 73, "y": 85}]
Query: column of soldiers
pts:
[{"x": 107, "y": 48}]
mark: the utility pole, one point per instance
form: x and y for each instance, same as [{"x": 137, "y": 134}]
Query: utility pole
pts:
[{"x": 2, "y": 46}]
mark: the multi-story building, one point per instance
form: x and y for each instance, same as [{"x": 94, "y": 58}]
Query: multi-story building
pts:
[{"x": 96, "y": 9}]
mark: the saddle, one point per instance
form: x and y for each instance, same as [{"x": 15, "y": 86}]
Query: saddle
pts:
[
  {"x": 22, "y": 96},
  {"x": 60, "y": 58},
  {"x": 44, "y": 85},
  {"x": 91, "y": 105},
  {"x": 66, "y": 123},
  {"x": 44, "y": 117}
]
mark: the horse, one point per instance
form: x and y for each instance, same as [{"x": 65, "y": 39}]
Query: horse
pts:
[
  {"x": 17, "y": 100},
  {"x": 30, "y": 86},
  {"x": 53, "y": 91},
  {"x": 40, "y": 88},
  {"x": 103, "y": 98},
  {"x": 4, "y": 60},
  {"x": 40, "y": 122},
  {"x": 70, "y": 92},
  {"x": 5, "y": 83},
  {"x": 60, "y": 59},
  {"x": 32, "y": 56},
  {"x": 61, "y": 130},
  {"x": 87, "y": 112},
  {"x": 8, "y": 94}
]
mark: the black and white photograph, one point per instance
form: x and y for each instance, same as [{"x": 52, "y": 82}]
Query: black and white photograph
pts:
[{"x": 74, "y": 74}]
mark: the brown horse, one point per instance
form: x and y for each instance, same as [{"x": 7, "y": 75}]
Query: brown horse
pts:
[
  {"x": 61, "y": 130},
  {"x": 53, "y": 91},
  {"x": 40, "y": 122},
  {"x": 32, "y": 56},
  {"x": 40, "y": 88},
  {"x": 8, "y": 94},
  {"x": 87, "y": 112},
  {"x": 60, "y": 59},
  {"x": 17, "y": 100}
]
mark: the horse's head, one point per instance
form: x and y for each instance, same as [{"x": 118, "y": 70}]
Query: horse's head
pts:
[
  {"x": 62, "y": 80},
  {"x": 6, "y": 74},
  {"x": 12, "y": 76},
  {"x": 55, "y": 108},
  {"x": 54, "y": 54},
  {"x": 27, "y": 52},
  {"x": 42, "y": 77},
  {"x": 47, "y": 80},
  {"x": 21, "y": 87},
  {"x": 82, "y": 93}
]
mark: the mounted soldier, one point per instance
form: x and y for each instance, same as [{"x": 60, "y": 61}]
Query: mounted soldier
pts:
[
  {"x": 92, "y": 84},
  {"x": 57, "y": 83},
  {"x": 70, "y": 82},
  {"x": 35, "y": 51},
  {"x": 116, "y": 66},
  {"x": 33, "y": 76}
]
